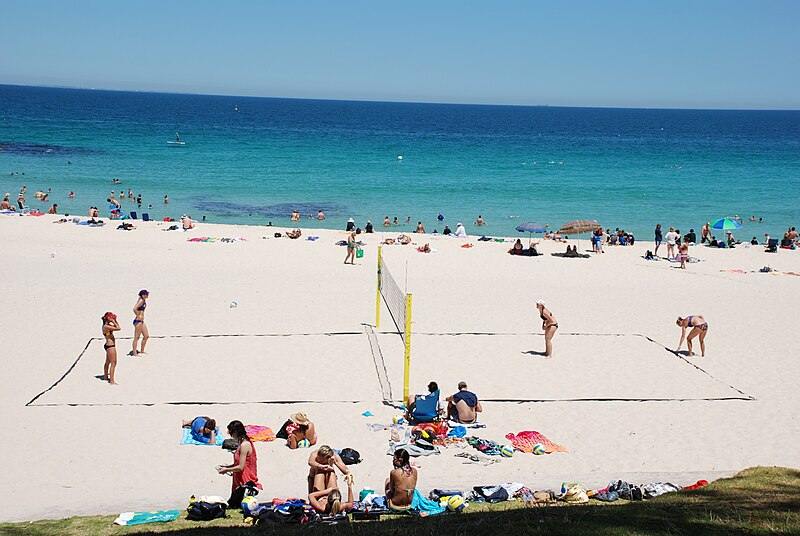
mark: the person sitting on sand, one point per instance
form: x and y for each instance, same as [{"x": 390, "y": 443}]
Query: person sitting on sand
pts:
[
  {"x": 329, "y": 501},
  {"x": 572, "y": 251},
  {"x": 402, "y": 482},
  {"x": 691, "y": 237},
  {"x": 464, "y": 405},
  {"x": 389, "y": 241},
  {"x": 447, "y": 231},
  {"x": 244, "y": 468},
  {"x": 187, "y": 222},
  {"x": 517, "y": 248},
  {"x": 404, "y": 239},
  {"x": 53, "y": 209},
  {"x": 110, "y": 325},
  {"x": 6, "y": 204},
  {"x": 295, "y": 234},
  {"x": 460, "y": 231},
  {"x": 698, "y": 326},
  {"x": 411, "y": 403},
  {"x": 299, "y": 428},
  {"x": 323, "y": 463},
  {"x": 202, "y": 429},
  {"x": 368, "y": 227},
  {"x": 754, "y": 241},
  {"x": 420, "y": 228}
]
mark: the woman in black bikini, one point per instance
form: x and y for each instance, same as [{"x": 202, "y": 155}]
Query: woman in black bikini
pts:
[
  {"x": 698, "y": 326},
  {"x": 549, "y": 326},
  {"x": 139, "y": 327},
  {"x": 110, "y": 325}
]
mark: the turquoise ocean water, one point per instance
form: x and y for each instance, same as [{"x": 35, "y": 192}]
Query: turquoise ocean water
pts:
[{"x": 252, "y": 160}]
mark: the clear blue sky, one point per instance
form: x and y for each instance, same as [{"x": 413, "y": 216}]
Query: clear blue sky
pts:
[{"x": 641, "y": 53}]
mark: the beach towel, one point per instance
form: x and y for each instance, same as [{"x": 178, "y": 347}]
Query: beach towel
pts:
[
  {"x": 139, "y": 518},
  {"x": 259, "y": 433},
  {"x": 187, "y": 439},
  {"x": 524, "y": 441},
  {"x": 425, "y": 507}
]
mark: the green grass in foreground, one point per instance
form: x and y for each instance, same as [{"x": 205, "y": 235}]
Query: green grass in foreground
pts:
[{"x": 760, "y": 500}]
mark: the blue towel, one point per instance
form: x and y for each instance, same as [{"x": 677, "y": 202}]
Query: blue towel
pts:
[
  {"x": 422, "y": 506},
  {"x": 187, "y": 438}
]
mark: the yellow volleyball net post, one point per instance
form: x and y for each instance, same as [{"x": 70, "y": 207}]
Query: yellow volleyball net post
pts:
[
  {"x": 398, "y": 303},
  {"x": 378, "y": 290}
]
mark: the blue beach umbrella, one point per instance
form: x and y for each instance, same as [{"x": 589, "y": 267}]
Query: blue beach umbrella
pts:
[
  {"x": 726, "y": 224},
  {"x": 531, "y": 227}
]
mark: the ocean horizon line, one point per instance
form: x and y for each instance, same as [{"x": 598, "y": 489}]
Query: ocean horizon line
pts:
[{"x": 396, "y": 102}]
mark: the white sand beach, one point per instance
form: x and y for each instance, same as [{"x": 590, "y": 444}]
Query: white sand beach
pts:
[{"x": 624, "y": 405}]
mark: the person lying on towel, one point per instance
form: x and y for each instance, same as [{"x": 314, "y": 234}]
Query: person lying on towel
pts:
[
  {"x": 463, "y": 406},
  {"x": 202, "y": 429}
]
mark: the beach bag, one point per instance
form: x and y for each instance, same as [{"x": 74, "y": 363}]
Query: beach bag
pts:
[
  {"x": 359, "y": 253},
  {"x": 575, "y": 495},
  {"x": 350, "y": 456},
  {"x": 204, "y": 511},
  {"x": 294, "y": 515}
]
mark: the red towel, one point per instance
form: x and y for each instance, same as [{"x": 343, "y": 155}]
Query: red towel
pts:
[{"x": 524, "y": 441}]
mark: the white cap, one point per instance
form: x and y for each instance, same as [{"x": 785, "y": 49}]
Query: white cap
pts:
[
  {"x": 540, "y": 302},
  {"x": 351, "y": 220}
]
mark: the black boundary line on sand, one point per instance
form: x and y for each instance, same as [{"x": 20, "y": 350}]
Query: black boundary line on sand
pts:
[
  {"x": 388, "y": 402},
  {"x": 744, "y": 396},
  {"x": 89, "y": 342}
]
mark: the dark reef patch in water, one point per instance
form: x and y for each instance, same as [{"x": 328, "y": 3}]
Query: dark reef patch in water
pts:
[
  {"x": 39, "y": 149},
  {"x": 278, "y": 210}
]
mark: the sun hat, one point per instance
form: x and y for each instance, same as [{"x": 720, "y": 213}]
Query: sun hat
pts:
[{"x": 299, "y": 419}]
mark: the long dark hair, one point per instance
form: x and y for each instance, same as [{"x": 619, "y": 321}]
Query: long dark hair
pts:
[{"x": 236, "y": 427}]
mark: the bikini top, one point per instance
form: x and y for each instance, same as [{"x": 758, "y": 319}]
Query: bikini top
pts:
[{"x": 142, "y": 306}]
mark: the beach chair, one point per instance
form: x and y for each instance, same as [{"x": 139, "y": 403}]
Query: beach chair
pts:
[
  {"x": 133, "y": 215},
  {"x": 426, "y": 408},
  {"x": 772, "y": 245},
  {"x": 145, "y": 216}
]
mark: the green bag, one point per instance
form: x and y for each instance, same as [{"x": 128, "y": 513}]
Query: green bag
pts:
[{"x": 359, "y": 253}]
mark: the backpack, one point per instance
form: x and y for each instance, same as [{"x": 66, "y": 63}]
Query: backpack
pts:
[
  {"x": 204, "y": 511},
  {"x": 350, "y": 456}
]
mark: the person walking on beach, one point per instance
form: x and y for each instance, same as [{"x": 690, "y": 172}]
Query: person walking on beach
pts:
[
  {"x": 139, "y": 327},
  {"x": 698, "y": 326},
  {"x": 659, "y": 238},
  {"x": 110, "y": 325},
  {"x": 549, "y": 326},
  {"x": 351, "y": 248}
]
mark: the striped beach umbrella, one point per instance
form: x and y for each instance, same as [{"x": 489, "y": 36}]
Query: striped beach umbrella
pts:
[
  {"x": 726, "y": 224},
  {"x": 579, "y": 227}
]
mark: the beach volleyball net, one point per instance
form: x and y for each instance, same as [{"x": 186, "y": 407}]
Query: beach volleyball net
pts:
[{"x": 398, "y": 303}]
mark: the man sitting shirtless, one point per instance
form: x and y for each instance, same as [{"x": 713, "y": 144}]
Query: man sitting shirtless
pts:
[{"x": 463, "y": 406}]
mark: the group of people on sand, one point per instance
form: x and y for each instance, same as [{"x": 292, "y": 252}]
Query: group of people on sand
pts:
[
  {"x": 111, "y": 326},
  {"x": 462, "y": 406}
]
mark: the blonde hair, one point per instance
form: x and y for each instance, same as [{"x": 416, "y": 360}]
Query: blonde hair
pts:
[
  {"x": 325, "y": 451},
  {"x": 335, "y": 501}
]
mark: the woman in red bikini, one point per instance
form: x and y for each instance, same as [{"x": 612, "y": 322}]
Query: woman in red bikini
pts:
[{"x": 698, "y": 326}]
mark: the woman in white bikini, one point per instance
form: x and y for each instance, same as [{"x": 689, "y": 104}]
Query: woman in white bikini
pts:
[{"x": 698, "y": 326}]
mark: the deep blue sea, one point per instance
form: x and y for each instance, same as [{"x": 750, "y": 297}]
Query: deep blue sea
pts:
[{"x": 252, "y": 160}]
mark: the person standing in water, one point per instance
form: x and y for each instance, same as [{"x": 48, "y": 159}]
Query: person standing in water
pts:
[
  {"x": 549, "y": 326},
  {"x": 177, "y": 137},
  {"x": 110, "y": 325},
  {"x": 139, "y": 327}
]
